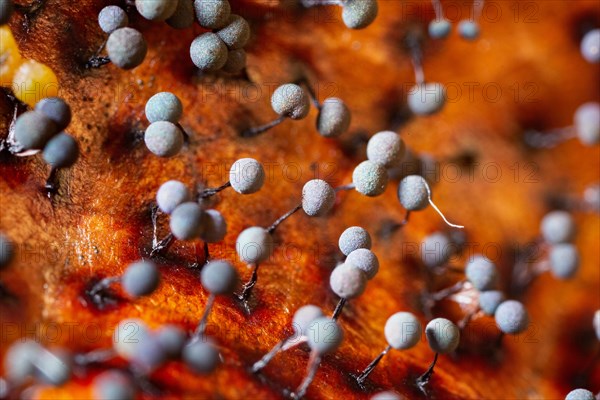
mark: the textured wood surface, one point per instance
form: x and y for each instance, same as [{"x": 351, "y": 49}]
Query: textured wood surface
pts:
[{"x": 100, "y": 220}]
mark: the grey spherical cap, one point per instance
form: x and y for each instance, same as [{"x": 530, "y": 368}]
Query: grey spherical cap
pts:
[
  {"x": 19, "y": 360},
  {"x": 219, "y": 277},
  {"x": 236, "y": 61},
  {"x": 141, "y": 278},
  {"x": 402, "y": 330},
  {"x": 212, "y": 14},
  {"x": 303, "y": 317},
  {"x": 33, "y": 130},
  {"x": 6, "y": 250},
  {"x": 436, "y": 250},
  {"x": 442, "y": 335},
  {"x": 291, "y": 101},
  {"x": 171, "y": 339},
  {"x": 171, "y": 194},
  {"x": 236, "y": 33},
  {"x": 358, "y": 14},
  {"x": 183, "y": 17},
  {"x": 590, "y": 46},
  {"x": 489, "y": 301},
  {"x": 511, "y": 317},
  {"x": 468, "y": 29},
  {"x": 482, "y": 273},
  {"x": 208, "y": 52},
  {"x": 53, "y": 367},
  {"x": 186, "y": 221},
  {"x": 127, "y": 336},
  {"x": 254, "y": 245},
  {"x": 156, "y": 10},
  {"x": 214, "y": 226},
  {"x": 439, "y": 29},
  {"x": 386, "y": 396},
  {"x": 370, "y": 178},
  {"x": 163, "y": 139},
  {"x": 348, "y": 281},
  {"x": 365, "y": 260},
  {"x": 6, "y": 10},
  {"x": 564, "y": 260},
  {"x": 246, "y": 176},
  {"x": 412, "y": 193},
  {"x": 164, "y": 106},
  {"x": 149, "y": 355},
  {"x": 334, "y": 117},
  {"x": 580, "y": 394},
  {"x": 126, "y": 48},
  {"x": 557, "y": 227},
  {"x": 591, "y": 197},
  {"x": 596, "y": 323},
  {"x": 324, "y": 335},
  {"x": 113, "y": 385},
  {"x": 318, "y": 198},
  {"x": 426, "y": 98},
  {"x": 57, "y": 110},
  {"x": 112, "y": 18},
  {"x": 354, "y": 238},
  {"x": 587, "y": 123},
  {"x": 201, "y": 356},
  {"x": 61, "y": 151},
  {"x": 386, "y": 148}
]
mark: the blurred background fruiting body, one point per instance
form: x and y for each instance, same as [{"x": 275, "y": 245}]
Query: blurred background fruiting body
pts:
[{"x": 324, "y": 199}]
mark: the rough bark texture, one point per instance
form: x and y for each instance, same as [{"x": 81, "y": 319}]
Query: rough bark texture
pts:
[{"x": 100, "y": 220}]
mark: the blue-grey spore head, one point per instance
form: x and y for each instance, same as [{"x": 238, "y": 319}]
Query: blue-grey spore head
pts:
[
  {"x": 511, "y": 317},
  {"x": 370, "y": 178},
  {"x": 358, "y": 14},
  {"x": 489, "y": 301},
  {"x": 564, "y": 260}
]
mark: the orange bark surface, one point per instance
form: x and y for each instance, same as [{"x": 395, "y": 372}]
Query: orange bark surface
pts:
[{"x": 525, "y": 72}]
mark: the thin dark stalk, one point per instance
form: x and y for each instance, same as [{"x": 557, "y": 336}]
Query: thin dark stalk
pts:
[
  {"x": 414, "y": 45},
  {"x": 202, "y": 324},
  {"x": 97, "y": 53},
  {"x": 405, "y": 220},
  {"x": 186, "y": 136},
  {"x": 163, "y": 245},
  {"x": 500, "y": 339},
  {"x": 437, "y": 8},
  {"x": 367, "y": 371},
  {"x": 545, "y": 140},
  {"x": 466, "y": 319},
  {"x": 252, "y": 132},
  {"x": 313, "y": 366},
  {"x": 51, "y": 185},
  {"x": 248, "y": 286},
  {"x": 94, "y": 356},
  {"x": 96, "y": 62},
  {"x": 314, "y": 3},
  {"x": 103, "y": 285},
  {"x": 349, "y": 186},
  {"x": 449, "y": 291},
  {"x": 206, "y": 193},
  {"x": 285, "y": 216},
  {"x": 310, "y": 90},
  {"x": 260, "y": 364},
  {"x": 338, "y": 309},
  {"x": 206, "y": 253},
  {"x": 424, "y": 379}
]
